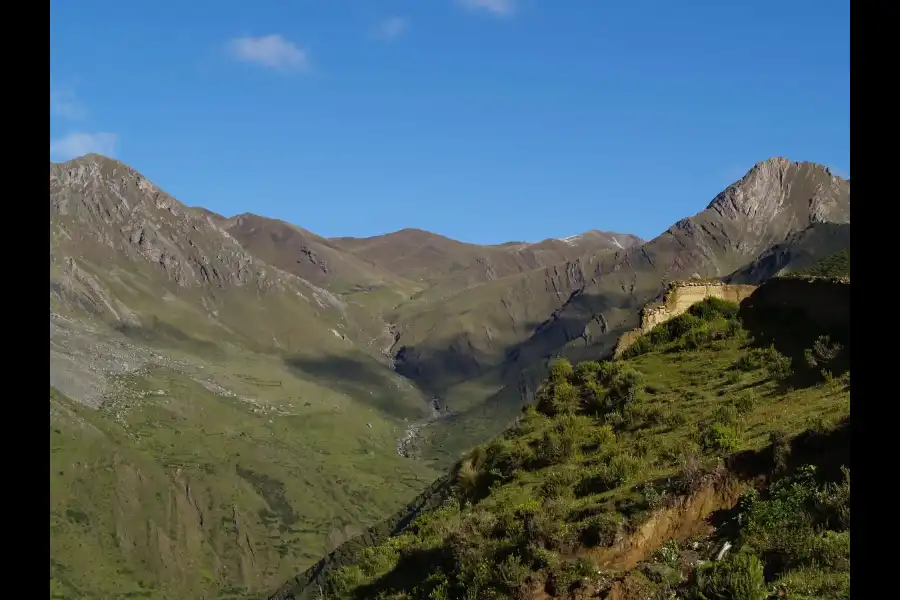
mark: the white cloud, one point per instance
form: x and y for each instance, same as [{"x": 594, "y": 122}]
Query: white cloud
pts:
[
  {"x": 64, "y": 104},
  {"x": 391, "y": 28},
  {"x": 502, "y": 8},
  {"x": 78, "y": 144},
  {"x": 270, "y": 51}
]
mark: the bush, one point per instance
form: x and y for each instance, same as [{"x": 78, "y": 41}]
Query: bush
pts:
[
  {"x": 738, "y": 578},
  {"x": 558, "y": 397},
  {"x": 774, "y": 362},
  {"x": 720, "y": 439},
  {"x": 675, "y": 418},
  {"x": 710, "y": 309},
  {"x": 617, "y": 471},
  {"x": 725, "y": 414},
  {"x": 746, "y": 402},
  {"x": 600, "y": 437},
  {"x": 824, "y": 355},
  {"x": 833, "y": 504},
  {"x": 567, "y": 576},
  {"x": 781, "y": 450},
  {"x": 624, "y": 386},
  {"x": 559, "y": 483},
  {"x": 512, "y": 576},
  {"x": 642, "y": 345},
  {"x": 586, "y": 371},
  {"x": 554, "y": 449},
  {"x": 600, "y": 530},
  {"x": 561, "y": 370},
  {"x": 593, "y": 398}
]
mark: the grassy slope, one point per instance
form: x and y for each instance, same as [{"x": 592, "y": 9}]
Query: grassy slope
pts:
[
  {"x": 285, "y": 445},
  {"x": 834, "y": 265},
  {"x": 600, "y": 453},
  {"x": 181, "y": 492}
]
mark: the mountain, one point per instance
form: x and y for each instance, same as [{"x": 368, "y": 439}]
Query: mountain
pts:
[
  {"x": 215, "y": 420},
  {"x": 712, "y": 462},
  {"x": 800, "y": 251},
  {"x": 233, "y": 397},
  {"x": 579, "y": 308},
  {"x": 223, "y": 406}
]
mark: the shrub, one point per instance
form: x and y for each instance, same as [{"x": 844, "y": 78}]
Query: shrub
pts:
[
  {"x": 554, "y": 449},
  {"x": 617, "y": 471},
  {"x": 738, "y": 578},
  {"x": 559, "y": 483},
  {"x": 719, "y": 439},
  {"x": 593, "y": 398},
  {"x": 674, "y": 329},
  {"x": 735, "y": 328},
  {"x": 600, "y": 437},
  {"x": 642, "y": 345},
  {"x": 501, "y": 459},
  {"x": 600, "y": 530},
  {"x": 568, "y": 575},
  {"x": 833, "y": 503},
  {"x": 586, "y": 371},
  {"x": 745, "y": 402},
  {"x": 565, "y": 397},
  {"x": 544, "y": 526},
  {"x": 725, "y": 414},
  {"x": 652, "y": 497},
  {"x": 781, "y": 450},
  {"x": 561, "y": 370},
  {"x": 559, "y": 396},
  {"x": 614, "y": 419},
  {"x": 675, "y": 418},
  {"x": 623, "y": 386},
  {"x": 710, "y": 309},
  {"x": 512, "y": 575},
  {"x": 774, "y": 362}
]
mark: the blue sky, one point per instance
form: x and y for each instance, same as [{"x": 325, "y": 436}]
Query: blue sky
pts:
[{"x": 483, "y": 120}]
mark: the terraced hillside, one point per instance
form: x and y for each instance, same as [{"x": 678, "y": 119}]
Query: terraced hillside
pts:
[{"x": 711, "y": 461}]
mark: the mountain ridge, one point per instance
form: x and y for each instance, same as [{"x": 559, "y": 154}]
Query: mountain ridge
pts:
[{"x": 258, "y": 338}]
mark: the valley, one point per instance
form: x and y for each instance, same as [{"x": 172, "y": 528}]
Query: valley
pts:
[{"x": 231, "y": 398}]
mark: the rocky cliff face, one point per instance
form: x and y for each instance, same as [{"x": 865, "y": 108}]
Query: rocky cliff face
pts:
[
  {"x": 101, "y": 202},
  {"x": 799, "y": 251}
]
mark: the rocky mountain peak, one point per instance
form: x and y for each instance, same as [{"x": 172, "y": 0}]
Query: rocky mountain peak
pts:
[{"x": 802, "y": 191}]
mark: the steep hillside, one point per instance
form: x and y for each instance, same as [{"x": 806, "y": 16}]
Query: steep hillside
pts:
[
  {"x": 205, "y": 389},
  {"x": 796, "y": 254},
  {"x": 595, "y": 298},
  {"x": 276, "y": 381},
  {"x": 711, "y": 462}
]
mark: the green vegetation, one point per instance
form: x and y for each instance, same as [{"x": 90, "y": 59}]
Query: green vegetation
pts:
[
  {"x": 180, "y": 492},
  {"x": 552, "y": 503},
  {"x": 835, "y": 265}
]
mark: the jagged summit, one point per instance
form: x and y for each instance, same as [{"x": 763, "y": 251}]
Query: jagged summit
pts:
[{"x": 763, "y": 192}]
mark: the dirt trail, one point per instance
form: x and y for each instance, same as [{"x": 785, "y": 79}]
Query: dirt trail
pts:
[{"x": 684, "y": 519}]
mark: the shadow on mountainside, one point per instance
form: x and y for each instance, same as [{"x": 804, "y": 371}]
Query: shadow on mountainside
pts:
[
  {"x": 794, "y": 316},
  {"x": 164, "y": 335},
  {"x": 365, "y": 381}
]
